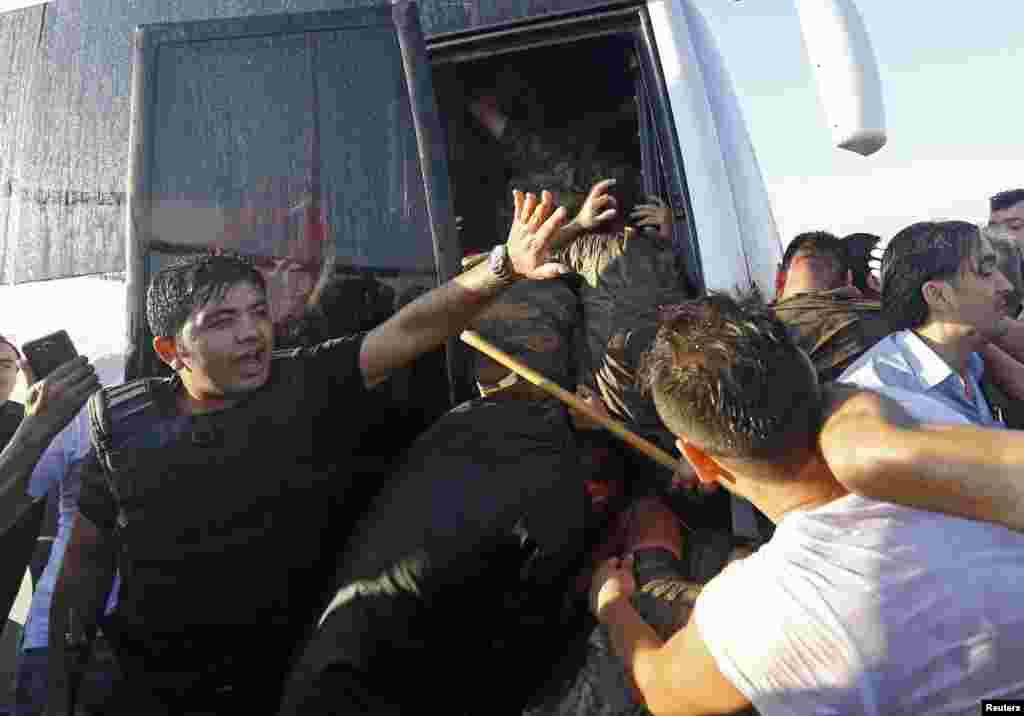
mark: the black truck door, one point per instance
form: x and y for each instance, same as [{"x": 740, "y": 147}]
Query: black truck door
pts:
[{"x": 295, "y": 139}]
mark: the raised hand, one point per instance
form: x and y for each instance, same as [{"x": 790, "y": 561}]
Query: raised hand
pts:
[
  {"x": 657, "y": 213},
  {"x": 52, "y": 402},
  {"x": 534, "y": 226},
  {"x": 598, "y": 207}
]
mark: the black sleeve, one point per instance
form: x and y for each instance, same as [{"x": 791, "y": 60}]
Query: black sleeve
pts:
[
  {"x": 96, "y": 501},
  {"x": 334, "y": 364},
  {"x": 334, "y": 383}
]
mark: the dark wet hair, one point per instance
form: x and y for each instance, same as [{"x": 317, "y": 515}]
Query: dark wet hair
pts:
[
  {"x": 923, "y": 252},
  {"x": 726, "y": 375},
  {"x": 821, "y": 241},
  {"x": 858, "y": 250},
  {"x": 1006, "y": 199},
  {"x": 192, "y": 282}
]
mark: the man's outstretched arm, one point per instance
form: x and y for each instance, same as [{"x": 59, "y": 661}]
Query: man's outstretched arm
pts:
[
  {"x": 434, "y": 317},
  {"x": 875, "y": 449},
  {"x": 678, "y": 677}
]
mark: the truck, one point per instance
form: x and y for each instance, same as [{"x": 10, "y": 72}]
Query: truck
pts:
[{"x": 136, "y": 131}]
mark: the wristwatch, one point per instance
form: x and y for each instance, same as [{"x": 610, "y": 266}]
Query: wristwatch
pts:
[{"x": 501, "y": 265}]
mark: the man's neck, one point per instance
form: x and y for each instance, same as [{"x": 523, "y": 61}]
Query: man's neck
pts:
[
  {"x": 796, "y": 288},
  {"x": 191, "y": 402},
  {"x": 949, "y": 343},
  {"x": 810, "y": 485}
]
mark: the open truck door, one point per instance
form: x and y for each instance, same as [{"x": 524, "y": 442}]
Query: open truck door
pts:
[
  {"x": 733, "y": 222},
  {"x": 297, "y": 140}
]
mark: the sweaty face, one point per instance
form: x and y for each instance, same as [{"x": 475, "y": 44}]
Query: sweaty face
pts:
[
  {"x": 1013, "y": 219},
  {"x": 8, "y": 371},
  {"x": 225, "y": 346},
  {"x": 981, "y": 295},
  {"x": 813, "y": 268}
]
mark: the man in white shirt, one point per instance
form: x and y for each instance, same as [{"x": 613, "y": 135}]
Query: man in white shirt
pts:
[
  {"x": 854, "y": 606},
  {"x": 944, "y": 295}
]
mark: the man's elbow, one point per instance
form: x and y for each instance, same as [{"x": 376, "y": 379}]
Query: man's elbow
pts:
[{"x": 865, "y": 440}]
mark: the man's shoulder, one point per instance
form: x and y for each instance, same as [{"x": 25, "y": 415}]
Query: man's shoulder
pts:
[
  {"x": 881, "y": 365},
  {"x": 327, "y": 352},
  {"x": 132, "y": 414}
]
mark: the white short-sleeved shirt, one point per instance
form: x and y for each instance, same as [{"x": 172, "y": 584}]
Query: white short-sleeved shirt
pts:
[{"x": 864, "y": 607}]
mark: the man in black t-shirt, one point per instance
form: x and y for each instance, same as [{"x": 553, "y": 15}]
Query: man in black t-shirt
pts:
[{"x": 223, "y": 512}]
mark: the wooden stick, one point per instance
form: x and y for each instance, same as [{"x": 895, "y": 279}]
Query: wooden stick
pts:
[{"x": 649, "y": 449}]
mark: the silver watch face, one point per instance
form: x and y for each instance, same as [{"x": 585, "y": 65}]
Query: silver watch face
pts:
[{"x": 499, "y": 261}]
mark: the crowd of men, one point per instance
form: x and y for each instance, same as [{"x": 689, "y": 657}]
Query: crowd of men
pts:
[{"x": 256, "y": 535}]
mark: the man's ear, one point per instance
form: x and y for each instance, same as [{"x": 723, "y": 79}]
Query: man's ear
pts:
[
  {"x": 780, "y": 281},
  {"x": 167, "y": 349},
  {"x": 707, "y": 469},
  {"x": 936, "y": 294}
]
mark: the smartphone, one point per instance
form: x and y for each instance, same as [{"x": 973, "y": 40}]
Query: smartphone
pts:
[{"x": 46, "y": 353}]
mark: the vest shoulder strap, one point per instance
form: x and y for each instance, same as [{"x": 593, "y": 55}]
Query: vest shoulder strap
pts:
[{"x": 110, "y": 411}]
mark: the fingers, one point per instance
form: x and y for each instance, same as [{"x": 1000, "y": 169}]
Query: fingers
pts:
[
  {"x": 601, "y": 187},
  {"x": 66, "y": 369},
  {"x": 55, "y": 399},
  {"x": 81, "y": 379},
  {"x": 551, "y": 270},
  {"x": 552, "y": 224},
  {"x": 26, "y": 370},
  {"x": 649, "y": 210},
  {"x": 530, "y": 204},
  {"x": 518, "y": 200},
  {"x": 603, "y": 201}
]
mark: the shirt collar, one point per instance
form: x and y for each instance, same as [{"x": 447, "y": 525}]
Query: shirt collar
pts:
[{"x": 927, "y": 364}]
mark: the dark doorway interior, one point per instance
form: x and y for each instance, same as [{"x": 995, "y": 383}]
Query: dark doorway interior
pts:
[{"x": 579, "y": 96}]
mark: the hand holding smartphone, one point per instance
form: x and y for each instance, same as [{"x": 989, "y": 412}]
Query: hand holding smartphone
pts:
[{"x": 45, "y": 354}]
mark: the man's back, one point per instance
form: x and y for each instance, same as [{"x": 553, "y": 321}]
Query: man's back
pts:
[
  {"x": 868, "y": 607},
  {"x": 475, "y": 538},
  {"x": 833, "y": 327}
]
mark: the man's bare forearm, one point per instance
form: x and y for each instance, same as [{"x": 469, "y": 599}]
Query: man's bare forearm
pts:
[
  {"x": 875, "y": 449},
  {"x": 17, "y": 461},
  {"x": 636, "y": 644},
  {"x": 433, "y": 318},
  {"x": 426, "y": 323}
]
